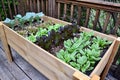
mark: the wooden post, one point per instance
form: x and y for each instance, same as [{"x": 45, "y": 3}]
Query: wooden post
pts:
[
  {"x": 5, "y": 43},
  {"x": 111, "y": 59}
]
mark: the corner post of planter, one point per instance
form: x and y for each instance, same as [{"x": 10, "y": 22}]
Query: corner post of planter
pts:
[
  {"x": 5, "y": 43},
  {"x": 111, "y": 59}
]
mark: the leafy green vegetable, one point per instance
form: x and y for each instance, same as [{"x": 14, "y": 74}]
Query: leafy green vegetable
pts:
[
  {"x": 32, "y": 38},
  {"x": 83, "y": 52}
]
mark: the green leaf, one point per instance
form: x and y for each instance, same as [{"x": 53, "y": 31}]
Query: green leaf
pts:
[
  {"x": 67, "y": 57},
  {"x": 32, "y": 38},
  {"x": 95, "y": 58},
  {"x": 60, "y": 55},
  {"x": 85, "y": 67},
  {"x": 82, "y": 60},
  {"x": 75, "y": 65},
  {"x": 73, "y": 56},
  {"x": 68, "y": 43}
]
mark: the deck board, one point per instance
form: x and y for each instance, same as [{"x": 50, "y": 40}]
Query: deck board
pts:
[{"x": 19, "y": 69}]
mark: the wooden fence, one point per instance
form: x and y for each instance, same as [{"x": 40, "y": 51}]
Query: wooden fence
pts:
[{"x": 10, "y": 8}]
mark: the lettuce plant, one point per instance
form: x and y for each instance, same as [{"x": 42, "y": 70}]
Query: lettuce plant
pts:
[{"x": 83, "y": 52}]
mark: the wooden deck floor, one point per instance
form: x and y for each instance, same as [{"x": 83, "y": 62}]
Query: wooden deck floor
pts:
[{"x": 19, "y": 69}]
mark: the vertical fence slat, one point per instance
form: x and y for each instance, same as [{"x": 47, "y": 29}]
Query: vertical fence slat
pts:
[
  {"x": 106, "y": 22},
  {"x": 71, "y": 11},
  {"x": 14, "y": 4},
  {"x": 9, "y": 8},
  {"x": 96, "y": 19},
  {"x": 117, "y": 24},
  {"x": 34, "y": 5},
  {"x": 4, "y": 8},
  {"x": 46, "y": 7},
  {"x": 65, "y": 11},
  {"x": 0, "y": 17},
  {"x": 58, "y": 10},
  {"x": 27, "y": 4},
  {"x": 87, "y": 17},
  {"x": 79, "y": 15},
  {"x": 30, "y": 5},
  {"x": 43, "y": 7},
  {"x": 65, "y": 8},
  {"x": 38, "y": 5}
]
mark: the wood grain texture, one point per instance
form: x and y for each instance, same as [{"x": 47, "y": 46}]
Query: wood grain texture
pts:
[
  {"x": 106, "y": 22},
  {"x": 87, "y": 17},
  {"x": 12, "y": 71},
  {"x": 5, "y": 43},
  {"x": 111, "y": 58},
  {"x": 96, "y": 19},
  {"x": 30, "y": 71}
]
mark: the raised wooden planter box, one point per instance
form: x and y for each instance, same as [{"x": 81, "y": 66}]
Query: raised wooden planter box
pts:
[{"x": 47, "y": 64}]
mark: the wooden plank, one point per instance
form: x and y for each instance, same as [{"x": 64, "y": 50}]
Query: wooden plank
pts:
[
  {"x": 4, "y": 8},
  {"x": 87, "y": 17},
  {"x": 95, "y": 77},
  {"x": 79, "y": 14},
  {"x": 31, "y": 8},
  {"x": 9, "y": 8},
  {"x": 79, "y": 76},
  {"x": 114, "y": 51},
  {"x": 15, "y": 9},
  {"x": 102, "y": 63},
  {"x": 13, "y": 69},
  {"x": 46, "y": 18},
  {"x": 71, "y": 11},
  {"x": 5, "y": 43},
  {"x": 38, "y": 5},
  {"x": 58, "y": 10},
  {"x": 109, "y": 7},
  {"x": 106, "y": 22},
  {"x": 34, "y": 5},
  {"x": 100, "y": 2},
  {"x": 65, "y": 11},
  {"x": 0, "y": 17},
  {"x": 116, "y": 24},
  {"x": 43, "y": 6},
  {"x": 4, "y": 72},
  {"x": 47, "y": 7},
  {"x": 96, "y": 19},
  {"x": 27, "y": 68},
  {"x": 108, "y": 37}
]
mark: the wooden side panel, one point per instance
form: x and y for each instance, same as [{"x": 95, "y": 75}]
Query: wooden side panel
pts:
[
  {"x": 78, "y": 76},
  {"x": 111, "y": 38},
  {"x": 101, "y": 65},
  {"x": 5, "y": 43},
  {"x": 111, "y": 58},
  {"x": 46, "y": 18}
]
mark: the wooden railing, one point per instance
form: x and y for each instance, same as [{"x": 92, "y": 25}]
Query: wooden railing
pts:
[{"x": 108, "y": 7}]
